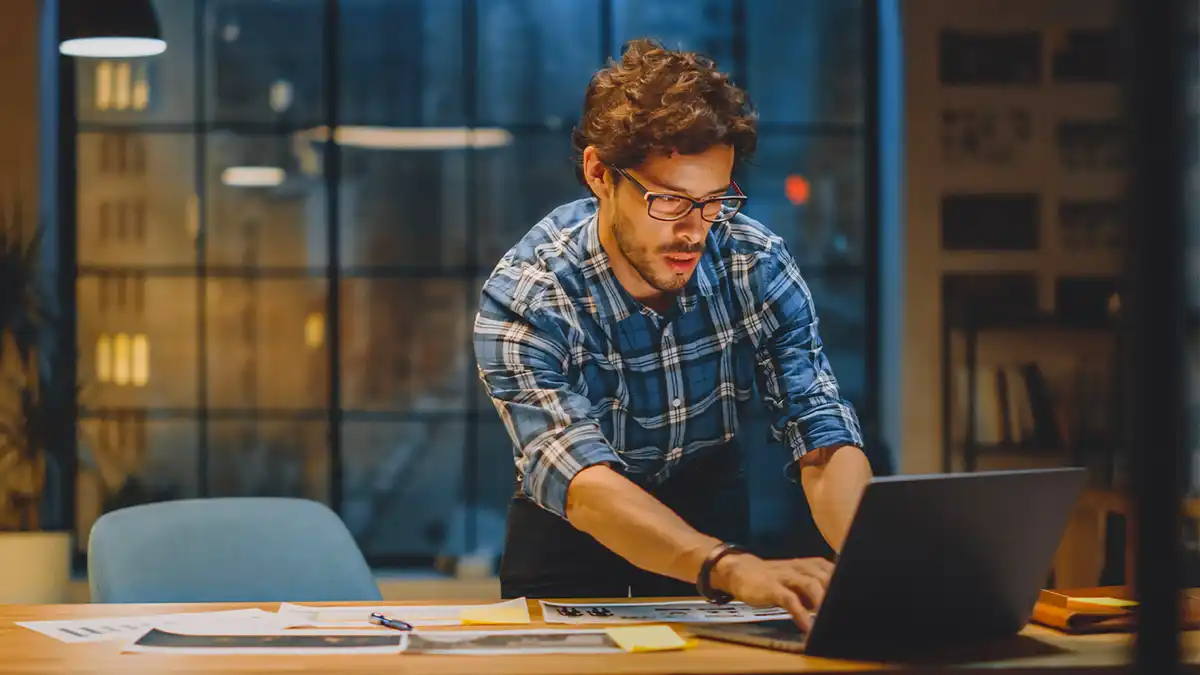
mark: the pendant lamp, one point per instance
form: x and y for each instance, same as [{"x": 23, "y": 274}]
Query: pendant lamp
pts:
[{"x": 111, "y": 29}]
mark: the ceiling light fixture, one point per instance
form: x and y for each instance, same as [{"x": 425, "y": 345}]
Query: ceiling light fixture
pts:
[
  {"x": 414, "y": 138},
  {"x": 253, "y": 176},
  {"x": 111, "y": 29}
]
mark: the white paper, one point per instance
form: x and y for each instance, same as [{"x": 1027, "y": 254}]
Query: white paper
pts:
[
  {"x": 278, "y": 642},
  {"x": 306, "y": 616},
  {"x": 443, "y": 642},
  {"x": 511, "y": 642},
  {"x": 111, "y": 628},
  {"x": 683, "y": 611}
]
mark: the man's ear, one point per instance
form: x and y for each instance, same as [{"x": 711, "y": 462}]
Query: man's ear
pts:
[{"x": 596, "y": 174}]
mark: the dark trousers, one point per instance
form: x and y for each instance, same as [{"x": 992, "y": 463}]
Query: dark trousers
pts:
[{"x": 546, "y": 557}]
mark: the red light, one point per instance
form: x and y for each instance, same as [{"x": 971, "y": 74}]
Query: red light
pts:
[{"x": 796, "y": 188}]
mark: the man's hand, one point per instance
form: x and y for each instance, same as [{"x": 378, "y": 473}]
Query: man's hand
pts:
[{"x": 797, "y": 585}]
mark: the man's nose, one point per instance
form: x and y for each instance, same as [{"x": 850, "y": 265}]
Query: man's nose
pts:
[{"x": 691, "y": 227}]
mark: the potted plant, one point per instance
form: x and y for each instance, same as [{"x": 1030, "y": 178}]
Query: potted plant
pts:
[{"x": 36, "y": 559}]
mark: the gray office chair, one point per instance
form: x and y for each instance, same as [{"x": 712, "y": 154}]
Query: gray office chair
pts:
[{"x": 235, "y": 549}]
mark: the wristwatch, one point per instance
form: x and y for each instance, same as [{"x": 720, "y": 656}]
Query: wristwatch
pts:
[{"x": 704, "y": 581}]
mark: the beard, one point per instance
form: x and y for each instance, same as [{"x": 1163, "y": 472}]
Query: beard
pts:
[{"x": 646, "y": 262}]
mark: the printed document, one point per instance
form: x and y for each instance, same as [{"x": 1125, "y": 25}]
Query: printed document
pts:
[
  {"x": 514, "y": 611},
  {"x": 683, "y": 611},
  {"x": 124, "y": 627}
]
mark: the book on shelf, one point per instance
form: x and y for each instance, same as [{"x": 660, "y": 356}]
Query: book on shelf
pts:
[{"x": 1014, "y": 407}]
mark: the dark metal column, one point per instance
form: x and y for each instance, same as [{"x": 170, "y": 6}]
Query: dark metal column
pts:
[
  {"x": 873, "y": 123},
  {"x": 200, "y": 114},
  {"x": 1152, "y": 50},
  {"x": 58, "y": 211},
  {"x": 470, "y": 67},
  {"x": 331, "y": 76}
]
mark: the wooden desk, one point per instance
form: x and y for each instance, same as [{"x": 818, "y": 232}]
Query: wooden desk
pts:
[{"x": 25, "y": 651}]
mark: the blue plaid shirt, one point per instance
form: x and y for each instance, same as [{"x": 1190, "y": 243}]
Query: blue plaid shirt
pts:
[{"x": 581, "y": 373}]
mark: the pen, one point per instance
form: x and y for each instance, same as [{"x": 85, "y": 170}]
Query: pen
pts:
[{"x": 382, "y": 620}]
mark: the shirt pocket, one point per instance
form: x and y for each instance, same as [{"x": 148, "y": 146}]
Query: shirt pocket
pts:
[
  {"x": 769, "y": 385},
  {"x": 739, "y": 362}
]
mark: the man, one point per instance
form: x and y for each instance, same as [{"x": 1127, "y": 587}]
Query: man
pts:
[{"x": 619, "y": 340}]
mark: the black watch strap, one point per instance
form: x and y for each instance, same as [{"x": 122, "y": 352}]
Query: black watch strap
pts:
[{"x": 704, "y": 580}]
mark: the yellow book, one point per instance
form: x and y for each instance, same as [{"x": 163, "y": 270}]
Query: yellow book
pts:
[{"x": 1100, "y": 602}]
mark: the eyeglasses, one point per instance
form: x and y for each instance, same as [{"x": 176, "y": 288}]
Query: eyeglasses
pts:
[{"x": 670, "y": 206}]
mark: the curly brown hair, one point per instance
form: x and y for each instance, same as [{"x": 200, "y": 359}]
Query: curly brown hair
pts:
[{"x": 656, "y": 101}]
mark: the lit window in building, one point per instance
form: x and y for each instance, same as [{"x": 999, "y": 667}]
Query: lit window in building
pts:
[
  {"x": 141, "y": 361},
  {"x": 104, "y": 358},
  {"x": 281, "y": 96},
  {"x": 123, "y": 359},
  {"x": 141, "y": 92},
  {"x": 314, "y": 330},
  {"x": 122, "y": 85},
  {"x": 104, "y": 82},
  {"x": 192, "y": 216}
]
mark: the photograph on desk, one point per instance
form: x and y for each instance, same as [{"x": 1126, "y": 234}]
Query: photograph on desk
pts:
[
  {"x": 498, "y": 643},
  {"x": 301, "y": 642},
  {"x": 436, "y": 642}
]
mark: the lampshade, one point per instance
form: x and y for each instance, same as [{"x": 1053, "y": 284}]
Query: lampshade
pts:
[{"x": 111, "y": 29}]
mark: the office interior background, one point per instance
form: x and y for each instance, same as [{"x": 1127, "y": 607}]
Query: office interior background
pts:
[
  {"x": 258, "y": 306},
  {"x": 217, "y": 248}
]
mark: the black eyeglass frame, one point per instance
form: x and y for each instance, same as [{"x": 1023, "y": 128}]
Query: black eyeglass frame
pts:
[{"x": 650, "y": 196}]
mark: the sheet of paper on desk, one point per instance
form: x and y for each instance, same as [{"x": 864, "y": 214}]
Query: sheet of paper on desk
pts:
[
  {"x": 683, "y": 611},
  {"x": 503, "y": 642},
  {"x": 514, "y": 611},
  {"x": 307, "y": 642},
  {"x": 109, "y": 628},
  {"x": 294, "y": 642}
]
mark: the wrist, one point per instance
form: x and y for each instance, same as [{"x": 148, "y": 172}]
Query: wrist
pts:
[
  {"x": 706, "y": 583},
  {"x": 727, "y": 569}
]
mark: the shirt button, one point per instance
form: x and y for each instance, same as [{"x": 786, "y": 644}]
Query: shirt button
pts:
[{"x": 676, "y": 403}]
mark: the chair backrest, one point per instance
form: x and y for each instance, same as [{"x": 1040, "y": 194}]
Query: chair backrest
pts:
[{"x": 230, "y": 549}]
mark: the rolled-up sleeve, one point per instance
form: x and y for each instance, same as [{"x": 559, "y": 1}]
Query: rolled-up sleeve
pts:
[
  {"x": 522, "y": 357},
  {"x": 796, "y": 378}
]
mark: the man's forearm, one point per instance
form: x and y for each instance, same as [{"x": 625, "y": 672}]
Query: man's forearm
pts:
[
  {"x": 834, "y": 480},
  {"x": 634, "y": 525}
]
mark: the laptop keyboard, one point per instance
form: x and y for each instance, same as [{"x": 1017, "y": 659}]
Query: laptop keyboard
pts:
[{"x": 780, "y": 628}]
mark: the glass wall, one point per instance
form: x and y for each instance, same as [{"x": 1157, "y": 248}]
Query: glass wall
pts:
[{"x": 262, "y": 311}]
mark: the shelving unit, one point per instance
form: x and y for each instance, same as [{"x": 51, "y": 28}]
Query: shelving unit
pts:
[
  {"x": 1026, "y": 188},
  {"x": 969, "y": 453}
]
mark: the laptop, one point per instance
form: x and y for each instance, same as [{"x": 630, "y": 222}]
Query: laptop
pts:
[{"x": 930, "y": 561}]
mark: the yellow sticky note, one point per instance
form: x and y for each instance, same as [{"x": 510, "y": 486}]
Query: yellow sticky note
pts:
[
  {"x": 502, "y": 613},
  {"x": 1104, "y": 602},
  {"x": 647, "y": 638}
]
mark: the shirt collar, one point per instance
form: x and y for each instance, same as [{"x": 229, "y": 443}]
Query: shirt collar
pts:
[{"x": 612, "y": 302}]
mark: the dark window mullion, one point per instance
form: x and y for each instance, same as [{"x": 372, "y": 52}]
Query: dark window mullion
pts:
[
  {"x": 470, "y": 59},
  {"x": 201, "y": 177},
  {"x": 333, "y": 310}
]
